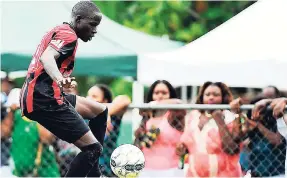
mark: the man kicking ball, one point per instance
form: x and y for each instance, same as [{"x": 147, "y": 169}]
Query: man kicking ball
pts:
[{"x": 42, "y": 97}]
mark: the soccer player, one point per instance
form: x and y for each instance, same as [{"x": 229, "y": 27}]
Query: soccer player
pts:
[{"x": 43, "y": 99}]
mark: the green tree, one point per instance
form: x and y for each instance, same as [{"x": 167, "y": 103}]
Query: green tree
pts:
[{"x": 179, "y": 20}]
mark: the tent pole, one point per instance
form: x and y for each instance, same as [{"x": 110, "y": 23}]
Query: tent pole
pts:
[
  {"x": 184, "y": 93},
  {"x": 194, "y": 94},
  {"x": 138, "y": 98}
]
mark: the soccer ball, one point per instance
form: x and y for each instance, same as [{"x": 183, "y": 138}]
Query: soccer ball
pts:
[{"x": 127, "y": 161}]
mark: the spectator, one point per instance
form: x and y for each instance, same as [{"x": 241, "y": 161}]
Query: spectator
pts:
[
  {"x": 6, "y": 86},
  {"x": 117, "y": 107},
  {"x": 267, "y": 148},
  {"x": 271, "y": 92},
  {"x": 160, "y": 158},
  {"x": 31, "y": 152},
  {"x": 212, "y": 138},
  {"x": 5, "y": 142},
  {"x": 278, "y": 106}
]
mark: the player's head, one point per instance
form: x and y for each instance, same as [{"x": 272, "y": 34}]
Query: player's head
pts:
[
  {"x": 86, "y": 16},
  {"x": 100, "y": 93}
]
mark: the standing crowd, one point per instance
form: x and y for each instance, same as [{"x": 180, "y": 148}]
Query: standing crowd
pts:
[
  {"x": 216, "y": 143},
  {"x": 210, "y": 143}
]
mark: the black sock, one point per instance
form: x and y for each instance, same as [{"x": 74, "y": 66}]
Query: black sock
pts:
[
  {"x": 98, "y": 126},
  {"x": 84, "y": 161},
  {"x": 95, "y": 171}
]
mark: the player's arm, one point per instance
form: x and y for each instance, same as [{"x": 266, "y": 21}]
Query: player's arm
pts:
[
  {"x": 48, "y": 59},
  {"x": 63, "y": 43}
]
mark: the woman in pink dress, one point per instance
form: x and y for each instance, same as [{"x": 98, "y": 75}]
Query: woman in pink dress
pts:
[
  {"x": 212, "y": 139},
  {"x": 161, "y": 158}
]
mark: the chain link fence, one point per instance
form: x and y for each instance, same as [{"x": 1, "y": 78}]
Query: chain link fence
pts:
[
  {"x": 24, "y": 155},
  {"x": 259, "y": 147},
  {"x": 262, "y": 149}
]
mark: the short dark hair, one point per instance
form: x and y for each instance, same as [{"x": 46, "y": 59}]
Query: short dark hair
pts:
[
  {"x": 172, "y": 92},
  {"x": 106, "y": 91},
  {"x": 84, "y": 9},
  {"x": 277, "y": 92}
]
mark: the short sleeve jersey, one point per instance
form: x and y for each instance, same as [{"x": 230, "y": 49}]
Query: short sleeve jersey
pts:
[{"x": 39, "y": 91}]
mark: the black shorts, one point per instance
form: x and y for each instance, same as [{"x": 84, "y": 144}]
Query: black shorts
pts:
[{"x": 64, "y": 123}]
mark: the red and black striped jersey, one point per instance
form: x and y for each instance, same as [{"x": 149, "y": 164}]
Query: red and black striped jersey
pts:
[{"x": 39, "y": 90}]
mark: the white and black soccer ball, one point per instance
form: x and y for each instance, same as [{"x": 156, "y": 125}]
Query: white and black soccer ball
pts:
[{"x": 127, "y": 161}]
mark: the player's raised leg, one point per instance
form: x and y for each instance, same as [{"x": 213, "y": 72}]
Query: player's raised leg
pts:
[{"x": 98, "y": 114}]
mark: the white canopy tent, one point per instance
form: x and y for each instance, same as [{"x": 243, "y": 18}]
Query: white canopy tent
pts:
[
  {"x": 249, "y": 50},
  {"x": 112, "y": 52},
  {"x": 41, "y": 16}
]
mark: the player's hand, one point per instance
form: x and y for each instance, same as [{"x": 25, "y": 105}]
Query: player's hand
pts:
[
  {"x": 259, "y": 107},
  {"x": 180, "y": 149},
  {"x": 68, "y": 82},
  {"x": 278, "y": 106}
]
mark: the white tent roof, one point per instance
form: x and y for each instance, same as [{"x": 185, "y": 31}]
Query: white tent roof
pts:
[
  {"x": 248, "y": 51},
  {"x": 112, "y": 52},
  {"x": 22, "y": 33}
]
